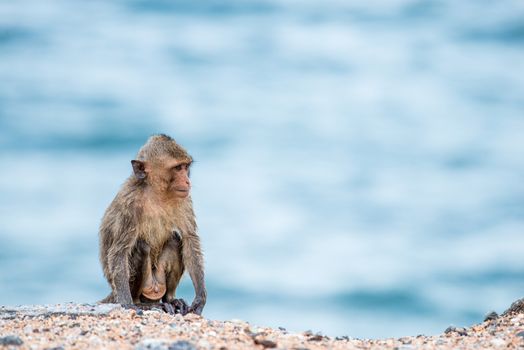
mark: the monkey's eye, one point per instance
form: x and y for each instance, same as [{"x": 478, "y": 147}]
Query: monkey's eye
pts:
[{"x": 178, "y": 167}]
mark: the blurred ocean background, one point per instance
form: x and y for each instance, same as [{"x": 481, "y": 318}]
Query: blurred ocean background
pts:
[{"x": 359, "y": 163}]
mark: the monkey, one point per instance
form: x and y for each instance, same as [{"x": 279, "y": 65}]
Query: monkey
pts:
[{"x": 148, "y": 234}]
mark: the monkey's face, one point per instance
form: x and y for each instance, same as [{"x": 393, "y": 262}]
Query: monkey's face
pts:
[
  {"x": 165, "y": 175},
  {"x": 177, "y": 171}
]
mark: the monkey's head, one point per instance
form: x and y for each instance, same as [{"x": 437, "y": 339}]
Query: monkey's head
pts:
[{"x": 163, "y": 165}]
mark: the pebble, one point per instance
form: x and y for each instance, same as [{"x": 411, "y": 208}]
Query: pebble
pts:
[
  {"x": 498, "y": 342},
  {"x": 458, "y": 330},
  {"x": 11, "y": 340},
  {"x": 316, "y": 337},
  {"x": 405, "y": 347},
  {"x": 181, "y": 345},
  {"x": 151, "y": 344},
  {"x": 491, "y": 316},
  {"x": 204, "y": 344},
  {"x": 164, "y": 344},
  {"x": 266, "y": 343},
  {"x": 405, "y": 340}
]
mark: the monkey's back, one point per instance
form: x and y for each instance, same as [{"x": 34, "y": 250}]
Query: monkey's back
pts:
[{"x": 119, "y": 227}]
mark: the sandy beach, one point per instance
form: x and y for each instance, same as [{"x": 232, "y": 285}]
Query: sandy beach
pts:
[{"x": 109, "y": 326}]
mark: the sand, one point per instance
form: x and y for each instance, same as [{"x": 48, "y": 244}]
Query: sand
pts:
[{"x": 109, "y": 326}]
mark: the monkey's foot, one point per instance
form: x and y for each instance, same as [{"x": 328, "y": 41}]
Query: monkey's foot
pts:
[
  {"x": 154, "y": 292},
  {"x": 180, "y": 306},
  {"x": 169, "y": 308}
]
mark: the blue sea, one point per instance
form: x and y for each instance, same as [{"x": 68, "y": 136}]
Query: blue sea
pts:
[{"x": 359, "y": 164}]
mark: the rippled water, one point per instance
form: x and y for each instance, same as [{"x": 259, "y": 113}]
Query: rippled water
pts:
[{"x": 359, "y": 164}]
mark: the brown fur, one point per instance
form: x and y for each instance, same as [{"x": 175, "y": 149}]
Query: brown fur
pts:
[{"x": 146, "y": 209}]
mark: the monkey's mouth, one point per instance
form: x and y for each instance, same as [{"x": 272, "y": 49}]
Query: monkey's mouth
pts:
[{"x": 182, "y": 192}]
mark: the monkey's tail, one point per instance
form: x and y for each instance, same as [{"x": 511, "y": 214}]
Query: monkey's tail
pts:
[{"x": 109, "y": 299}]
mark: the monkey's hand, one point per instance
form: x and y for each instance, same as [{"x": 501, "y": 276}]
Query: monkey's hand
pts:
[{"x": 198, "y": 305}]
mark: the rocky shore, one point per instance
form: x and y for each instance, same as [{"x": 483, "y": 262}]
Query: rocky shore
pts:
[{"x": 109, "y": 326}]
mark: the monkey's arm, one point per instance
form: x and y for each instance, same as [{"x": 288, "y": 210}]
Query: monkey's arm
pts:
[
  {"x": 119, "y": 253},
  {"x": 194, "y": 263}
]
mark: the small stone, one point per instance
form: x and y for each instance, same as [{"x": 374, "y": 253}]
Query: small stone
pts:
[
  {"x": 11, "y": 340},
  {"x": 266, "y": 343},
  {"x": 491, "y": 316},
  {"x": 204, "y": 344},
  {"x": 151, "y": 344},
  {"x": 181, "y": 345},
  {"x": 497, "y": 342},
  {"x": 316, "y": 337},
  {"x": 192, "y": 317},
  {"x": 458, "y": 330},
  {"x": 450, "y": 329},
  {"x": 462, "y": 331},
  {"x": 28, "y": 330},
  {"x": 405, "y": 340}
]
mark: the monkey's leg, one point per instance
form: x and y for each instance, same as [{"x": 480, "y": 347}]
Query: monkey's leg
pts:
[
  {"x": 173, "y": 278},
  {"x": 138, "y": 267},
  {"x": 174, "y": 272}
]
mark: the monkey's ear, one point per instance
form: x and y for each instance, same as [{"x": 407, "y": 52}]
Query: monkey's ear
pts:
[{"x": 139, "y": 168}]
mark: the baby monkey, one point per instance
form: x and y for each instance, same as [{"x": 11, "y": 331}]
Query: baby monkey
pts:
[{"x": 148, "y": 235}]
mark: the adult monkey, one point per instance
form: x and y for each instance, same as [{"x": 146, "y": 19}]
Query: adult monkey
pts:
[{"x": 148, "y": 235}]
